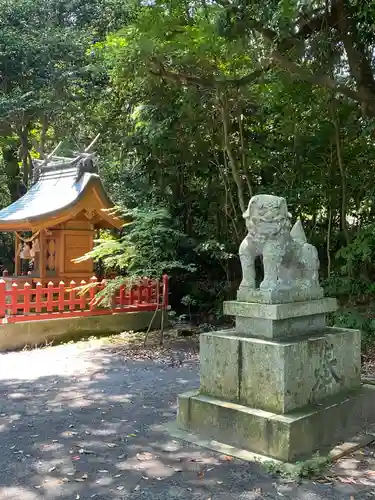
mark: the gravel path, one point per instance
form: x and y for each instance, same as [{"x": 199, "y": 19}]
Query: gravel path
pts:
[{"x": 82, "y": 421}]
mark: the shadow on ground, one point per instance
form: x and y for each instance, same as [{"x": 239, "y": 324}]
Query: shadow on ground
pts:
[{"x": 82, "y": 422}]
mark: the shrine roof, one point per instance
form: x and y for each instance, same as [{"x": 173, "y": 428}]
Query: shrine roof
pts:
[{"x": 62, "y": 187}]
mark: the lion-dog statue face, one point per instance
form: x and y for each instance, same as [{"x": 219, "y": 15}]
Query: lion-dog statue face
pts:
[{"x": 267, "y": 215}]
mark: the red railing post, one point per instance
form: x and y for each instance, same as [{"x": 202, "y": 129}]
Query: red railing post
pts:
[
  {"x": 72, "y": 296},
  {"x": 2, "y": 299},
  {"x": 149, "y": 292},
  {"x": 38, "y": 297},
  {"x": 61, "y": 296},
  {"x": 82, "y": 297},
  {"x": 93, "y": 291},
  {"x": 132, "y": 294},
  {"x": 50, "y": 296},
  {"x": 165, "y": 291},
  {"x": 140, "y": 291},
  {"x": 26, "y": 298},
  {"x": 121, "y": 301},
  {"x": 14, "y": 303}
]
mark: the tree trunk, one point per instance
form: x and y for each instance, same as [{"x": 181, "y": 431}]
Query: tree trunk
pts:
[
  {"x": 24, "y": 154},
  {"x": 223, "y": 102},
  {"x": 340, "y": 161},
  {"x": 12, "y": 170}
]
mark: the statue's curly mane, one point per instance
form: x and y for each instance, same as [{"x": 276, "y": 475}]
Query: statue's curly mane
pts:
[{"x": 282, "y": 229}]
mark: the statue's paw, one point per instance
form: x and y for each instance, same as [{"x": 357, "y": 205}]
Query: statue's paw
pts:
[
  {"x": 268, "y": 285},
  {"x": 248, "y": 284}
]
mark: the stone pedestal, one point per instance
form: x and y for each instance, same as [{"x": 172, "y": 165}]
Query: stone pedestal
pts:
[{"x": 281, "y": 384}]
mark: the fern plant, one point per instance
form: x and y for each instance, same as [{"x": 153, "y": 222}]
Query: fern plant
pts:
[{"x": 149, "y": 246}]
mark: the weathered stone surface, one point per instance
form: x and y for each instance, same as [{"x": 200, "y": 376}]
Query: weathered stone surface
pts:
[
  {"x": 289, "y": 261},
  {"x": 246, "y": 294},
  {"x": 19, "y": 335},
  {"x": 280, "y": 376},
  {"x": 279, "y": 311},
  {"x": 295, "y": 374},
  {"x": 280, "y": 329},
  {"x": 284, "y": 437},
  {"x": 219, "y": 366},
  {"x": 183, "y": 413}
]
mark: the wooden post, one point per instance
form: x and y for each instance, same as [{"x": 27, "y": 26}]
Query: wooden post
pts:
[
  {"x": 122, "y": 296},
  {"x": 26, "y": 298},
  {"x": 165, "y": 291},
  {"x": 2, "y": 299},
  {"x": 16, "y": 256},
  {"x": 14, "y": 304},
  {"x": 38, "y": 297},
  {"x": 132, "y": 294},
  {"x": 42, "y": 258},
  {"x": 72, "y": 296},
  {"x": 82, "y": 297},
  {"x": 149, "y": 291},
  {"x": 93, "y": 290},
  {"x": 50, "y": 297},
  {"x": 61, "y": 296},
  {"x": 140, "y": 291}
]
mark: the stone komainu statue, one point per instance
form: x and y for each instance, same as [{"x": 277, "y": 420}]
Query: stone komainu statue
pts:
[{"x": 289, "y": 262}]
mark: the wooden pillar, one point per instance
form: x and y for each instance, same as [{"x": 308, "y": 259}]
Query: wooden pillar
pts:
[
  {"x": 16, "y": 255},
  {"x": 60, "y": 251},
  {"x": 42, "y": 255}
]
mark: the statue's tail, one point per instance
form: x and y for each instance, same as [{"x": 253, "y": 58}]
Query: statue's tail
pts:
[{"x": 297, "y": 232}]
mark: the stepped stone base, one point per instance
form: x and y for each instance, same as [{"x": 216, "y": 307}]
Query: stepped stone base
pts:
[
  {"x": 281, "y": 383},
  {"x": 279, "y": 376},
  {"x": 280, "y": 296},
  {"x": 286, "y": 437},
  {"x": 281, "y": 320}
]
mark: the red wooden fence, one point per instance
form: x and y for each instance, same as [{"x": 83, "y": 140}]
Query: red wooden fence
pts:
[{"x": 27, "y": 303}]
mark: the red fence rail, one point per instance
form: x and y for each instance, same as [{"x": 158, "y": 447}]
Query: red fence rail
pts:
[{"x": 26, "y": 303}]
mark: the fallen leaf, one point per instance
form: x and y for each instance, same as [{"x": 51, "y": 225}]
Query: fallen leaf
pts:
[
  {"x": 348, "y": 480},
  {"x": 144, "y": 456},
  {"x": 200, "y": 474},
  {"x": 83, "y": 451}
]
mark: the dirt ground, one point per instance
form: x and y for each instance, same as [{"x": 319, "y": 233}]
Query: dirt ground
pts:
[{"x": 85, "y": 420}]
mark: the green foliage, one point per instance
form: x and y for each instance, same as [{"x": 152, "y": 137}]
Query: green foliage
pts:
[
  {"x": 151, "y": 245},
  {"x": 195, "y": 113},
  {"x": 306, "y": 469},
  {"x": 359, "y": 319}
]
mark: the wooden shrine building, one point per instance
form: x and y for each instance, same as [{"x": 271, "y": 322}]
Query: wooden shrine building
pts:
[{"x": 56, "y": 221}]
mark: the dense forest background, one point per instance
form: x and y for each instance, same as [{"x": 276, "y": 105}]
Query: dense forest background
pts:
[{"x": 201, "y": 104}]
